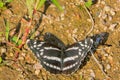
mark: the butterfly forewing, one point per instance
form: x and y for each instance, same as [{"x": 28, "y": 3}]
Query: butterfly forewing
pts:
[
  {"x": 52, "y": 39},
  {"x": 36, "y": 46},
  {"x": 75, "y": 54}
]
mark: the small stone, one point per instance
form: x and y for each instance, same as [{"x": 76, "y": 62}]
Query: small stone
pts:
[
  {"x": 92, "y": 74},
  {"x": 37, "y": 66},
  {"x": 104, "y": 16},
  {"x": 104, "y": 22},
  {"x": 75, "y": 30},
  {"x": 112, "y": 12},
  {"x": 113, "y": 26},
  {"x": 11, "y": 54},
  {"x": 103, "y": 2},
  {"x": 105, "y": 28},
  {"x": 62, "y": 16},
  {"x": 21, "y": 58},
  {"x": 110, "y": 58},
  {"x": 89, "y": 20},
  {"x": 2, "y": 39},
  {"x": 7, "y": 13},
  {"x": 106, "y": 55},
  {"x": 37, "y": 33},
  {"x": 37, "y": 72},
  {"x": 91, "y": 78},
  {"x": 108, "y": 66},
  {"x": 107, "y": 8},
  {"x": 57, "y": 19},
  {"x": 3, "y": 50},
  {"x": 23, "y": 54},
  {"x": 110, "y": 18}
]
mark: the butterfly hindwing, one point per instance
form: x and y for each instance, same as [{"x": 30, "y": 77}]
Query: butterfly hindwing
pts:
[{"x": 36, "y": 47}]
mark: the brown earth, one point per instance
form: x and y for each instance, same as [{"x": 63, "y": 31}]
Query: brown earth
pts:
[{"x": 73, "y": 22}]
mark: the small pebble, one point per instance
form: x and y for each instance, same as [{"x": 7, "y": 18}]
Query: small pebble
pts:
[
  {"x": 75, "y": 30},
  {"x": 103, "y": 2},
  {"x": 23, "y": 54},
  {"x": 107, "y": 8},
  {"x": 11, "y": 54},
  {"x": 106, "y": 55},
  {"x": 37, "y": 33},
  {"x": 104, "y": 16},
  {"x": 37, "y": 72},
  {"x": 62, "y": 16},
  {"x": 7, "y": 13},
  {"x": 108, "y": 66},
  {"x": 89, "y": 20},
  {"x": 110, "y": 18},
  {"x": 21, "y": 58},
  {"x": 92, "y": 74},
  {"x": 105, "y": 28},
  {"x": 112, "y": 12},
  {"x": 37, "y": 66},
  {"x": 110, "y": 58},
  {"x": 3, "y": 50},
  {"x": 113, "y": 26},
  {"x": 91, "y": 78}
]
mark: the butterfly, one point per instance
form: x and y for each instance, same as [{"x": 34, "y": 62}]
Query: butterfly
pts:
[{"x": 57, "y": 58}]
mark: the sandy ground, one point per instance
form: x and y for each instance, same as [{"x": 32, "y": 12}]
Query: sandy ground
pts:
[{"x": 73, "y": 22}]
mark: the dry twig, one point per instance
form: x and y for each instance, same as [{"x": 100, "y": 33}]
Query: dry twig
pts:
[{"x": 92, "y": 21}]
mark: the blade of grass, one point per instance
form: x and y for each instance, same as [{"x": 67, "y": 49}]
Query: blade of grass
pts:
[
  {"x": 88, "y": 3},
  {"x": 55, "y": 2},
  {"x": 1, "y": 33},
  {"x": 1, "y": 59},
  {"x": 9, "y": 1},
  {"x": 40, "y": 4},
  {"x": 16, "y": 41},
  {"x": 30, "y": 6},
  {"x": 7, "y": 25},
  {"x": 1, "y": 4}
]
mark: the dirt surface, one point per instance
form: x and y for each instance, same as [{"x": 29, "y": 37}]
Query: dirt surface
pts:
[{"x": 73, "y": 22}]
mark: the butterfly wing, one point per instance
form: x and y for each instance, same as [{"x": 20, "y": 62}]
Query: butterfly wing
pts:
[
  {"x": 52, "y": 39},
  {"x": 55, "y": 60},
  {"x": 75, "y": 54},
  {"x": 48, "y": 55},
  {"x": 60, "y": 60}
]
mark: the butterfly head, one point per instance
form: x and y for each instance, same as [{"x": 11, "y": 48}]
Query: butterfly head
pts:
[{"x": 100, "y": 39}]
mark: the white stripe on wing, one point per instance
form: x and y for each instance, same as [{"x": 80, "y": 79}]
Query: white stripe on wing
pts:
[
  {"x": 72, "y": 48},
  {"x": 51, "y": 66},
  {"x": 70, "y": 58},
  {"x": 52, "y": 58},
  {"x": 51, "y": 48}
]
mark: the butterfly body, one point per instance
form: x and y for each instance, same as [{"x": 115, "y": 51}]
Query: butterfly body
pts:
[{"x": 56, "y": 58}]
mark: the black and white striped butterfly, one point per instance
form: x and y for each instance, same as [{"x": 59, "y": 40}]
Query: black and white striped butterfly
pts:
[{"x": 56, "y": 58}]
